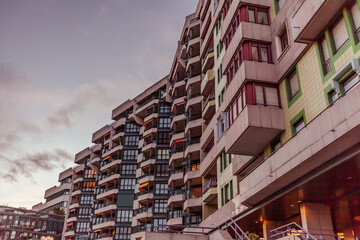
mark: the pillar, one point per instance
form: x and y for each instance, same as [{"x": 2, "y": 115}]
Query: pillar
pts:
[
  {"x": 269, "y": 225},
  {"x": 316, "y": 218}
]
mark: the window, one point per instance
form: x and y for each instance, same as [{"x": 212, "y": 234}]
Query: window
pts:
[
  {"x": 86, "y": 199},
  {"x": 131, "y": 128},
  {"x": 82, "y": 226},
  {"x": 122, "y": 233},
  {"x": 89, "y": 173},
  {"x": 131, "y": 140},
  {"x": 298, "y": 125},
  {"x": 351, "y": 82},
  {"x": 160, "y": 206},
  {"x": 339, "y": 34},
  {"x": 293, "y": 84},
  {"x": 255, "y": 52},
  {"x": 284, "y": 40},
  {"x": 127, "y": 184},
  {"x": 160, "y": 221},
  {"x": 130, "y": 155},
  {"x": 163, "y": 138},
  {"x": 162, "y": 170},
  {"x": 225, "y": 161},
  {"x": 88, "y": 186},
  {"x": 251, "y": 15},
  {"x": 164, "y": 108},
  {"x": 263, "y": 17},
  {"x": 275, "y": 144},
  {"x": 326, "y": 64},
  {"x": 84, "y": 212},
  {"x": 164, "y": 122},
  {"x": 219, "y": 73},
  {"x": 124, "y": 216},
  {"x": 128, "y": 169},
  {"x": 163, "y": 154},
  {"x": 221, "y": 124},
  {"x": 355, "y": 13},
  {"x": 161, "y": 188}
]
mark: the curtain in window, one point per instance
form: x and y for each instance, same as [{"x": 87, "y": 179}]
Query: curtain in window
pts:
[{"x": 340, "y": 34}]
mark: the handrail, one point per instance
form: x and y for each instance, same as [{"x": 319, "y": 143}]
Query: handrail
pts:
[
  {"x": 291, "y": 228},
  {"x": 239, "y": 233},
  {"x": 167, "y": 230}
]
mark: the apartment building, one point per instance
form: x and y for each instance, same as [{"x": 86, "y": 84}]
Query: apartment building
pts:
[
  {"x": 256, "y": 129},
  {"x": 19, "y": 223},
  {"x": 57, "y": 197}
]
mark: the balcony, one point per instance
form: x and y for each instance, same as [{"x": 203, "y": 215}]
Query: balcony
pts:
[
  {"x": 149, "y": 177},
  {"x": 76, "y": 192},
  {"x": 246, "y": 30},
  {"x": 175, "y": 221},
  {"x": 106, "y": 223},
  {"x": 193, "y": 204},
  {"x": 110, "y": 164},
  {"x": 193, "y": 80},
  {"x": 193, "y": 41},
  {"x": 312, "y": 17},
  {"x": 253, "y": 129},
  {"x": 144, "y": 197},
  {"x": 193, "y": 60},
  {"x": 120, "y": 134},
  {"x": 176, "y": 178},
  {"x": 106, "y": 208},
  {"x": 147, "y": 163},
  {"x": 143, "y": 214},
  {"x": 149, "y": 131},
  {"x": 193, "y": 176},
  {"x": 209, "y": 107},
  {"x": 69, "y": 233},
  {"x": 194, "y": 125},
  {"x": 175, "y": 157},
  {"x": 177, "y": 119},
  {"x": 149, "y": 146},
  {"x": 176, "y": 200},
  {"x": 119, "y": 123},
  {"x": 141, "y": 110},
  {"x": 208, "y": 60},
  {"x": 193, "y": 100},
  {"x": 151, "y": 116},
  {"x": 210, "y": 191},
  {"x": 106, "y": 192},
  {"x": 194, "y": 146},
  {"x": 176, "y": 137},
  {"x": 113, "y": 150},
  {"x": 208, "y": 82},
  {"x": 109, "y": 178}
]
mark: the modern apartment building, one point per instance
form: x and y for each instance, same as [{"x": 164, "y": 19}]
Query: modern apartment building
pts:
[
  {"x": 57, "y": 197},
  {"x": 19, "y": 223},
  {"x": 260, "y": 112}
]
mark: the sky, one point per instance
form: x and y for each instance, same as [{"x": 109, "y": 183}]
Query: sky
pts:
[{"x": 64, "y": 65}]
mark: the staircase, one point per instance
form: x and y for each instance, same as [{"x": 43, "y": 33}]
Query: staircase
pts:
[{"x": 239, "y": 234}]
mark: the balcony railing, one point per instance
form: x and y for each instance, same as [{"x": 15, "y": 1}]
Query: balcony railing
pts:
[
  {"x": 327, "y": 66},
  {"x": 211, "y": 184},
  {"x": 143, "y": 209},
  {"x": 103, "y": 220},
  {"x": 208, "y": 99}
]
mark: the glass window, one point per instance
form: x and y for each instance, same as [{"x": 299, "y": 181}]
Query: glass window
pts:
[
  {"x": 300, "y": 124},
  {"x": 160, "y": 221},
  {"x": 128, "y": 169},
  {"x": 284, "y": 40},
  {"x": 122, "y": 233},
  {"x": 259, "y": 94},
  {"x": 339, "y": 34},
  {"x": 356, "y": 19},
  {"x": 124, "y": 216},
  {"x": 130, "y": 127},
  {"x": 264, "y": 54},
  {"x": 164, "y": 138},
  {"x": 262, "y": 17},
  {"x": 164, "y": 122},
  {"x": 271, "y": 96},
  {"x": 352, "y": 81},
  {"x": 127, "y": 184},
  {"x": 162, "y": 170},
  {"x": 294, "y": 84},
  {"x": 130, "y": 155},
  {"x": 255, "y": 52},
  {"x": 160, "y": 206},
  {"x": 131, "y": 140},
  {"x": 163, "y": 154},
  {"x": 161, "y": 188},
  {"x": 251, "y": 15}
]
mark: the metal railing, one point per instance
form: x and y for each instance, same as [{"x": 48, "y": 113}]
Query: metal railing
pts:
[
  {"x": 210, "y": 184},
  {"x": 292, "y": 229},
  {"x": 166, "y": 229},
  {"x": 208, "y": 99},
  {"x": 239, "y": 233}
]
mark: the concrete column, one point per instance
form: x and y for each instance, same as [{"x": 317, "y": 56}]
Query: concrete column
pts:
[
  {"x": 269, "y": 225},
  {"x": 316, "y": 218}
]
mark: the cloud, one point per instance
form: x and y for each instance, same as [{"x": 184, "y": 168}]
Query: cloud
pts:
[
  {"x": 105, "y": 94},
  {"x": 30, "y": 164}
]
